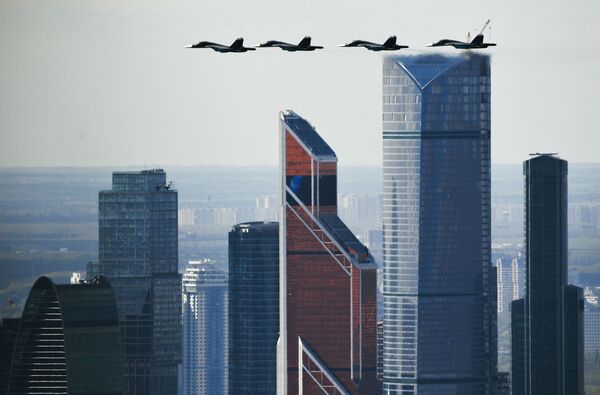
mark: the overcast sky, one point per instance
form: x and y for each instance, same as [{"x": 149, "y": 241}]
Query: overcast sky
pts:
[{"x": 87, "y": 83}]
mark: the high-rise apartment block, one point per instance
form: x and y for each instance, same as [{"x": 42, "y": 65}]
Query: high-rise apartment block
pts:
[
  {"x": 138, "y": 254},
  {"x": 328, "y": 334},
  {"x": 205, "y": 329},
  {"x": 438, "y": 288},
  {"x": 253, "y": 307},
  {"x": 511, "y": 282},
  {"x": 547, "y": 324},
  {"x": 592, "y": 320}
]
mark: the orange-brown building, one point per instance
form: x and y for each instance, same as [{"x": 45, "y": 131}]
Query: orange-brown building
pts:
[{"x": 328, "y": 279}]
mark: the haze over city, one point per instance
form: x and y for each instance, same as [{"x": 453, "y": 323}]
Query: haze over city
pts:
[
  {"x": 197, "y": 199},
  {"x": 110, "y": 83}
]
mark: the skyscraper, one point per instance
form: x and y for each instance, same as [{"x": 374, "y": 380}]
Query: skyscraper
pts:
[
  {"x": 68, "y": 341},
  {"x": 328, "y": 278},
  {"x": 548, "y": 322},
  {"x": 253, "y": 307},
  {"x": 592, "y": 324},
  {"x": 8, "y": 334},
  {"x": 138, "y": 254},
  {"x": 204, "y": 329},
  {"x": 439, "y": 312},
  {"x": 511, "y": 282}
]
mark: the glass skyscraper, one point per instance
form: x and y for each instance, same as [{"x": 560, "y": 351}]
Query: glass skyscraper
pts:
[
  {"x": 253, "y": 307},
  {"x": 138, "y": 254},
  {"x": 68, "y": 341},
  {"x": 547, "y": 325},
  {"x": 204, "y": 329},
  {"x": 439, "y": 289},
  {"x": 328, "y": 278}
]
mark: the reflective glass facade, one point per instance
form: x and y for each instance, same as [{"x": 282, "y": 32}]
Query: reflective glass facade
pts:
[
  {"x": 551, "y": 360},
  {"x": 327, "y": 277},
  {"x": 138, "y": 254},
  {"x": 8, "y": 334},
  {"x": 68, "y": 341},
  {"x": 439, "y": 301},
  {"x": 253, "y": 307},
  {"x": 204, "y": 329}
]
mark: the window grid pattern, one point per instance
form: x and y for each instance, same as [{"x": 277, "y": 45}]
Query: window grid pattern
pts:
[{"x": 438, "y": 308}]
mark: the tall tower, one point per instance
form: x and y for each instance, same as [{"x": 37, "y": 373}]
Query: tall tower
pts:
[
  {"x": 253, "y": 307},
  {"x": 547, "y": 323},
  {"x": 328, "y": 279},
  {"x": 439, "y": 307},
  {"x": 68, "y": 341},
  {"x": 204, "y": 329},
  {"x": 138, "y": 254}
]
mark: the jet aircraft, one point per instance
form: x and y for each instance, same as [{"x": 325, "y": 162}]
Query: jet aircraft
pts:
[
  {"x": 237, "y": 46},
  {"x": 303, "y": 45},
  {"x": 388, "y": 45},
  {"x": 476, "y": 43}
]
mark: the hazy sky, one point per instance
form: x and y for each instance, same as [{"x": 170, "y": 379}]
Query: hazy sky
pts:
[{"x": 86, "y": 83}]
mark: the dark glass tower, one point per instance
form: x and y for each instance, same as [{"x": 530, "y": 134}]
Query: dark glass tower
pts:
[
  {"x": 8, "y": 334},
  {"x": 438, "y": 286},
  {"x": 68, "y": 341},
  {"x": 328, "y": 279},
  {"x": 138, "y": 254},
  {"x": 253, "y": 307},
  {"x": 548, "y": 321}
]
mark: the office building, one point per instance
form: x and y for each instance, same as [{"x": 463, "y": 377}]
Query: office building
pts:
[
  {"x": 205, "y": 329},
  {"x": 547, "y": 327},
  {"x": 328, "y": 278},
  {"x": 8, "y": 334},
  {"x": 138, "y": 254},
  {"x": 68, "y": 341},
  {"x": 253, "y": 307},
  {"x": 439, "y": 301}
]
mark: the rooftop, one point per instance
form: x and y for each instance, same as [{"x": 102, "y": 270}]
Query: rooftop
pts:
[
  {"x": 424, "y": 69},
  {"x": 307, "y": 134},
  {"x": 344, "y": 236}
]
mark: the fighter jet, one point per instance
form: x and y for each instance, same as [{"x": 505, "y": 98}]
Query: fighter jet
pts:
[
  {"x": 303, "y": 45},
  {"x": 388, "y": 45},
  {"x": 237, "y": 46},
  {"x": 476, "y": 43}
]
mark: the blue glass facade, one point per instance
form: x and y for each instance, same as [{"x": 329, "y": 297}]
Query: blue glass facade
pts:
[
  {"x": 439, "y": 307},
  {"x": 548, "y": 340},
  {"x": 205, "y": 328},
  {"x": 138, "y": 254},
  {"x": 253, "y": 307}
]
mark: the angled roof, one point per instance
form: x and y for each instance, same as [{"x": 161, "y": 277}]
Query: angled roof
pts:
[
  {"x": 424, "y": 69},
  {"x": 307, "y": 134},
  {"x": 345, "y": 237}
]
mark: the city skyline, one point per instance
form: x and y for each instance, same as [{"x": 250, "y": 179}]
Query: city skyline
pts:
[
  {"x": 441, "y": 248},
  {"x": 116, "y": 78}
]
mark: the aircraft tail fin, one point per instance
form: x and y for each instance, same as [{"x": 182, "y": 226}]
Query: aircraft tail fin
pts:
[
  {"x": 390, "y": 41},
  {"x": 478, "y": 39},
  {"x": 305, "y": 42},
  {"x": 239, "y": 43}
]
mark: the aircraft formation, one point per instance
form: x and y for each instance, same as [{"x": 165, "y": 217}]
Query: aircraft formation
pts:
[{"x": 305, "y": 44}]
